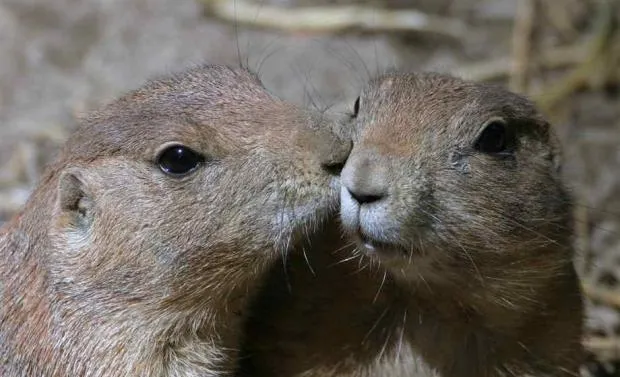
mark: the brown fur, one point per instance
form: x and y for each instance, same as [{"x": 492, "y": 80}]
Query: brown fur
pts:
[
  {"x": 469, "y": 270},
  {"x": 115, "y": 269}
]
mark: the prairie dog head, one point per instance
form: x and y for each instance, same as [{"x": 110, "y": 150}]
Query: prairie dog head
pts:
[
  {"x": 178, "y": 192},
  {"x": 451, "y": 179}
]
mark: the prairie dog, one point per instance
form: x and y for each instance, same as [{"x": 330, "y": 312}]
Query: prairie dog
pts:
[
  {"x": 138, "y": 251},
  {"x": 461, "y": 225}
]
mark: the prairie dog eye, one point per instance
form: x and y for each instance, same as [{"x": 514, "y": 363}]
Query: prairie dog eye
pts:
[
  {"x": 179, "y": 160},
  {"x": 493, "y": 139}
]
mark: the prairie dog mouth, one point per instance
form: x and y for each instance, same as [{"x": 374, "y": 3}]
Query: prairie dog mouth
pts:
[{"x": 372, "y": 246}]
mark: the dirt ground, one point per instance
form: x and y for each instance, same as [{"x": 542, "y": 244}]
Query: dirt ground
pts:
[{"x": 61, "y": 58}]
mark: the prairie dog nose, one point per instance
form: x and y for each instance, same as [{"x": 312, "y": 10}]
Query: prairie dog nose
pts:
[
  {"x": 323, "y": 143},
  {"x": 335, "y": 155},
  {"x": 365, "y": 178}
]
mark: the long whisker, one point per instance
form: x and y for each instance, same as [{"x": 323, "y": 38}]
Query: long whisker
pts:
[
  {"x": 374, "y": 326},
  {"x": 308, "y": 261},
  {"x": 374, "y": 300},
  {"x": 344, "y": 247},
  {"x": 344, "y": 260},
  {"x": 402, "y": 334}
]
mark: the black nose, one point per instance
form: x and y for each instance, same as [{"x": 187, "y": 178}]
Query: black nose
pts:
[
  {"x": 335, "y": 157},
  {"x": 334, "y": 168},
  {"x": 363, "y": 198}
]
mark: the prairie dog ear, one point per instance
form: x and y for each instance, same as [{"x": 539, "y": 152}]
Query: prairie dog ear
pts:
[{"x": 75, "y": 204}]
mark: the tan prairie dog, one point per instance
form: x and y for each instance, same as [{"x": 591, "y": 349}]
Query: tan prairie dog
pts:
[
  {"x": 138, "y": 250},
  {"x": 461, "y": 227}
]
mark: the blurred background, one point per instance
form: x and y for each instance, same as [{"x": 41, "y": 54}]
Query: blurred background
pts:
[{"x": 61, "y": 58}]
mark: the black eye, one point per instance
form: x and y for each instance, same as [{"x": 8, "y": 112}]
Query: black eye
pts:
[
  {"x": 179, "y": 160},
  {"x": 494, "y": 138},
  {"x": 356, "y": 107}
]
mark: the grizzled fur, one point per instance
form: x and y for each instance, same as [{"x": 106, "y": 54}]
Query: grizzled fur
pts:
[
  {"x": 117, "y": 269},
  {"x": 464, "y": 259}
]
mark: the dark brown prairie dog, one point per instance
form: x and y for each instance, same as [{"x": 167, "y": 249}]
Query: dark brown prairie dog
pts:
[
  {"x": 137, "y": 252},
  {"x": 453, "y": 198}
]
